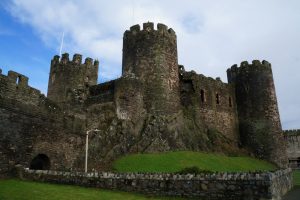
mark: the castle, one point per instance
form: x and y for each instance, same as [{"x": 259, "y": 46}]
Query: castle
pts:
[{"x": 154, "y": 106}]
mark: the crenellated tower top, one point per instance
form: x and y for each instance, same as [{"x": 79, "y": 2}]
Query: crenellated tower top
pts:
[
  {"x": 76, "y": 61},
  {"x": 149, "y": 28},
  {"x": 67, "y": 75},
  {"x": 245, "y": 67}
]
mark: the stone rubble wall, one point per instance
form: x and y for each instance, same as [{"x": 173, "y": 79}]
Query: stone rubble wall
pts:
[
  {"x": 293, "y": 147},
  {"x": 31, "y": 124},
  {"x": 256, "y": 185}
]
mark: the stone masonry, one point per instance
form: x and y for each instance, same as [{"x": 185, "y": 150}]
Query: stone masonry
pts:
[
  {"x": 215, "y": 186},
  {"x": 293, "y": 147},
  {"x": 154, "y": 106}
]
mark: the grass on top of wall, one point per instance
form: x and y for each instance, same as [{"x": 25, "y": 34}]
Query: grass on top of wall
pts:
[
  {"x": 25, "y": 190},
  {"x": 177, "y": 161}
]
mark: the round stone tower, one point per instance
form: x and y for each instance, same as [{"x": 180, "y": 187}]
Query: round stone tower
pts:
[
  {"x": 66, "y": 76},
  {"x": 259, "y": 121},
  {"x": 151, "y": 56}
]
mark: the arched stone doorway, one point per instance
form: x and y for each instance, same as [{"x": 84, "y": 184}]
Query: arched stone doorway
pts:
[{"x": 40, "y": 162}]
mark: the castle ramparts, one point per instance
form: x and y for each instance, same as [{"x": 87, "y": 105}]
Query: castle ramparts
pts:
[{"x": 154, "y": 106}]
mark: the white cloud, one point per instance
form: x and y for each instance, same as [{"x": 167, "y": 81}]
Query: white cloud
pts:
[{"x": 211, "y": 35}]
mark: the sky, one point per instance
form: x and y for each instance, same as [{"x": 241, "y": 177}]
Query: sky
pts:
[{"x": 211, "y": 37}]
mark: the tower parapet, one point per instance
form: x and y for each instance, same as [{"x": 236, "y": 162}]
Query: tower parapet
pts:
[
  {"x": 258, "y": 114},
  {"x": 151, "y": 56},
  {"x": 68, "y": 75}
]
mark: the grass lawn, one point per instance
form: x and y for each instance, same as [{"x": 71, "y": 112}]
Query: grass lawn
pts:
[
  {"x": 160, "y": 162},
  {"x": 296, "y": 176},
  {"x": 176, "y": 161},
  {"x": 25, "y": 190}
]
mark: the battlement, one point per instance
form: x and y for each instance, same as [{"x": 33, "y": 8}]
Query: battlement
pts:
[
  {"x": 69, "y": 75},
  {"x": 15, "y": 86},
  {"x": 256, "y": 64},
  {"x": 245, "y": 68},
  {"x": 189, "y": 75},
  {"x": 77, "y": 60},
  {"x": 292, "y": 132},
  {"x": 15, "y": 77},
  {"x": 149, "y": 27}
]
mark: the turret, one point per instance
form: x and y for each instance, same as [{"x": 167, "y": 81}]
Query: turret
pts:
[
  {"x": 67, "y": 75},
  {"x": 259, "y": 121},
  {"x": 151, "y": 56}
]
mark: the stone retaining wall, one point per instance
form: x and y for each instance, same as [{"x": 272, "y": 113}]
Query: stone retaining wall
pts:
[{"x": 262, "y": 185}]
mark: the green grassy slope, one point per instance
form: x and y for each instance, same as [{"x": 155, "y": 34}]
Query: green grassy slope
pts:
[
  {"x": 296, "y": 176},
  {"x": 176, "y": 161},
  {"x": 24, "y": 190}
]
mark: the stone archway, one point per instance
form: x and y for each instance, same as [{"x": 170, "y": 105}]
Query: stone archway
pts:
[{"x": 40, "y": 162}]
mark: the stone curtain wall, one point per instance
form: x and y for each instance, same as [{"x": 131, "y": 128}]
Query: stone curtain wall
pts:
[
  {"x": 199, "y": 95},
  {"x": 264, "y": 185},
  {"x": 31, "y": 124},
  {"x": 293, "y": 147}
]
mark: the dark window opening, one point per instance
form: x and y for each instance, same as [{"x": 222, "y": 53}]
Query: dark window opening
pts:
[
  {"x": 202, "y": 95},
  {"x": 218, "y": 98},
  {"x": 230, "y": 102},
  {"x": 40, "y": 162}
]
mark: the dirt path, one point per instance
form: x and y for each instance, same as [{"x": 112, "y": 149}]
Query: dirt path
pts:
[{"x": 294, "y": 194}]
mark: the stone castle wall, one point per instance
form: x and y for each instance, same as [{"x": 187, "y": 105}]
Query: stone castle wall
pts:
[
  {"x": 293, "y": 147},
  {"x": 15, "y": 86},
  {"x": 151, "y": 56},
  {"x": 259, "y": 120},
  {"x": 31, "y": 124},
  {"x": 155, "y": 106},
  {"x": 213, "y": 102},
  {"x": 69, "y": 75},
  {"x": 235, "y": 186}
]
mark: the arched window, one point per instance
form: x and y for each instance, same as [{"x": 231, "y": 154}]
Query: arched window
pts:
[
  {"x": 202, "y": 96},
  {"x": 218, "y": 98},
  {"x": 230, "y": 102},
  {"x": 40, "y": 162}
]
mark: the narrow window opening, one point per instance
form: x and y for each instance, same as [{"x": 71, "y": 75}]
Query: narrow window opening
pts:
[
  {"x": 18, "y": 80},
  {"x": 86, "y": 80},
  {"x": 53, "y": 78},
  {"x": 202, "y": 96},
  {"x": 230, "y": 102},
  {"x": 218, "y": 98}
]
